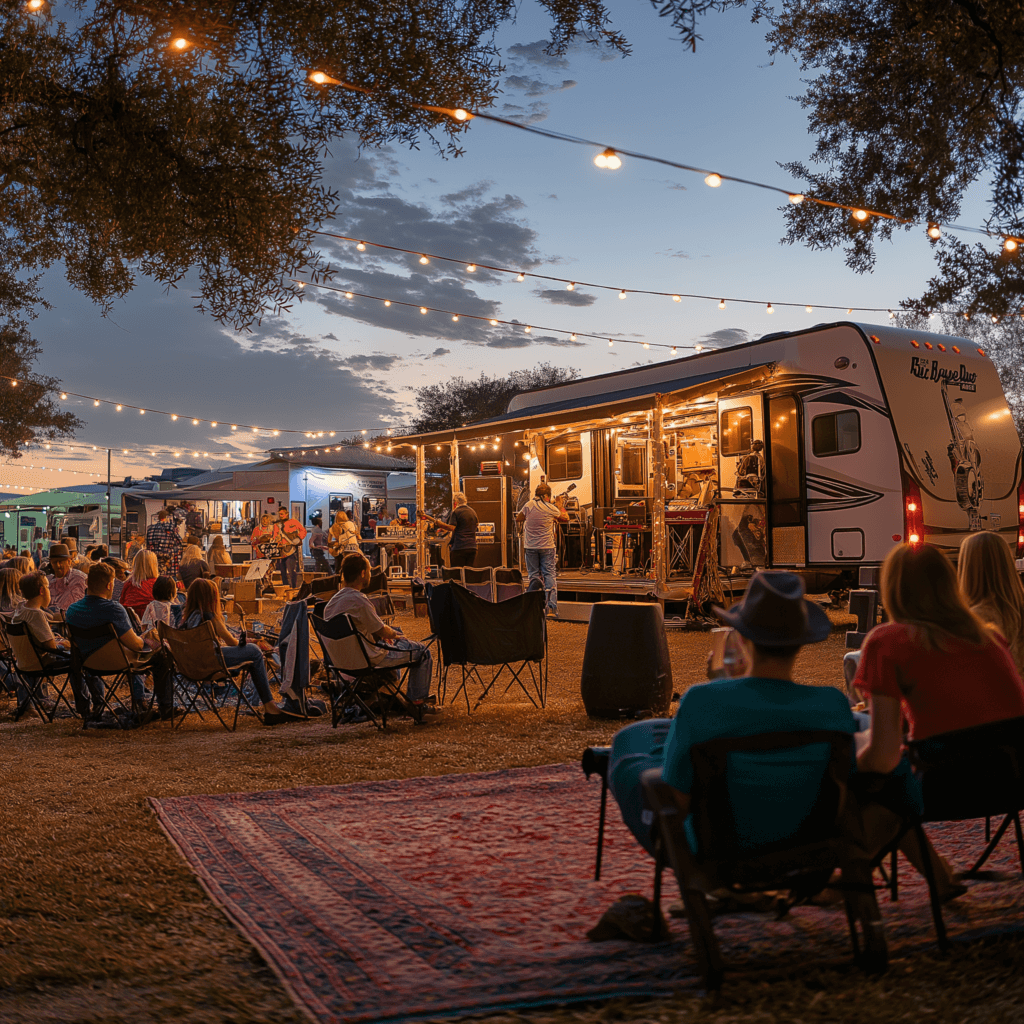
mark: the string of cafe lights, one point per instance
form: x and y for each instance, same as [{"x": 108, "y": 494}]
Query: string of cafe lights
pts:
[
  {"x": 472, "y": 266},
  {"x": 120, "y": 406}
]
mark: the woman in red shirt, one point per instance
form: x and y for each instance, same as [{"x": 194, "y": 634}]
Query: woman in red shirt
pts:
[
  {"x": 137, "y": 591},
  {"x": 934, "y": 664}
]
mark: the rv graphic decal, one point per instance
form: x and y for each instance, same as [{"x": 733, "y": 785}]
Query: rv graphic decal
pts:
[
  {"x": 929, "y": 369},
  {"x": 964, "y": 456},
  {"x": 837, "y": 494}
]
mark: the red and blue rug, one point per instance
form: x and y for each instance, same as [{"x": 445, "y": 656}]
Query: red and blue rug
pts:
[{"x": 463, "y": 894}]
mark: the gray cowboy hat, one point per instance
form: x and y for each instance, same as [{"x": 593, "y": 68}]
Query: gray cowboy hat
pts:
[
  {"x": 58, "y": 551},
  {"x": 775, "y": 613}
]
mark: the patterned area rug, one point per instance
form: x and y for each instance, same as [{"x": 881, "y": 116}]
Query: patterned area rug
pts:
[{"x": 461, "y": 894}]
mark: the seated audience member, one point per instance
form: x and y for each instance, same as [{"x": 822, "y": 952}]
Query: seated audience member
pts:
[
  {"x": 35, "y": 594},
  {"x": 162, "y": 607},
  {"x": 98, "y": 553},
  {"x": 77, "y": 558},
  {"x": 936, "y": 665},
  {"x": 68, "y": 583},
  {"x": 193, "y": 565},
  {"x": 218, "y": 553},
  {"x": 10, "y": 595},
  {"x": 992, "y": 589},
  {"x": 773, "y": 621},
  {"x": 97, "y": 608},
  {"x": 137, "y": 591},
  {"x": 202, "y": 604},
  {"x": 398, "y": 650},
  {"x": 120, "y": 574},
  {"x": 22, "y": 563}
]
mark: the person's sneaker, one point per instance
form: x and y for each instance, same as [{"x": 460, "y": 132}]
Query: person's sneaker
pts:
[
  {"x": 426, "y": 714},
  {"x": 314, "y": 708}
]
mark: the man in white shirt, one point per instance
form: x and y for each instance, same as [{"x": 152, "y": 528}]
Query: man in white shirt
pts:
[
  {"x": 397, "y": 650},
  {"x": 539, "y": 519},
  {"x": 68, "y": 583}
]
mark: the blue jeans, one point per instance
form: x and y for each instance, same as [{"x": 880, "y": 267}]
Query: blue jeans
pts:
[
  {"x": 289, "y": 570},
  {"x": 250, "y": 652},
  {"x": 400, "y": 653},
  {"x": 540, "y": 564},
  {"x": 635, "y": 748}
]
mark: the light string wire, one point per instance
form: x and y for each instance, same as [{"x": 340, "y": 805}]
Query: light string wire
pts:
[
  {"x": 713, "y": 178},
  {"x": 195, "y": 420},
  {"x": 493, "y": 321},
  {"x": 676, "y": 296}
]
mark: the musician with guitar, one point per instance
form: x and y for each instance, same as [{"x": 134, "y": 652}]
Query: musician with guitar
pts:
[
  {"x": 289, "y": 534},
  {"x": 342, "y": 538},
  {"x": 462, "y": 525}
]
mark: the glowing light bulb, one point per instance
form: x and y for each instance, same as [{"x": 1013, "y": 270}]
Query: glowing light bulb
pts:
[
  {"x": 769, "y": 309},
  {"x": 174, "y": 415},
  {"x": 180, "y": 43},
  {"x": 387, "y": 302},
  {"x": 622, "y": 294},
  {"x": 713, "y": 180},
  {"x": 891, "y": 314},
  {"x": 673, "y": 350},
  {"x": 35, "y": 5},
  {"x": 494, "y": 323},
  {"x": 861, "y": 215},
  {"x": 572, "y": 337},
  {"x": 348, "y": 295},
  {"x": 934, "y": 231},
  {"x": 1010, "y": 245},
  {"x": 96, "y": 402},
  {"x": 610, "y": 343},
  {"x": 363, "y": 432},
  {"x": 423, "y": 309},
  {"x": 914, "y": 538},
  {"x": 721, "y": 303},
  {"x": 142, "y": 412},
  {"x": 571, "y": 286},
  {"x": 119, "y": 408},
  {"x": 646, "y": 345},
  {"x": 527, "y": 329},
  {"x": 424, "y": 260},
  {"x": 461, "y": 115},
  {"x": 321, "y": 78},
  {"x": 471, "y": 269},
  {"x": 796, "y": 198},
  {"x": 455, "y": 318},
  {"x": 213, "y": 423},
  {"x": 195, "y": 423},
  {"x": 361, "y": 246},
  {"x": 995, "y": 319},
  {"x": 520, "y": 277},
  {"x": 608, "y": 160},
  {"x": 809, "y": 309},
  {"x": 677, "y": 298}
]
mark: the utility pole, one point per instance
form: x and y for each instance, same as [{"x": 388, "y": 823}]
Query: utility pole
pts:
[{"x": 110, "y": 539}]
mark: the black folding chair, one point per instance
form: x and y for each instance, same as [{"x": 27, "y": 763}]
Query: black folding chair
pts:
[
  {"x": 377, "y": 591},
  {"x": 507, "y": 583},
  {"x": 479, "y": 582},
  {"x": 198, "y": 658},
  {"x": 966, "y": 774},
  {"x": 29, "y": 664},
  {"x": 802, "y": 863},
  {"x": 596, "y": 760},
  {"x": 352, "y": 677},
  {"x": 451, "y": 574},
  {"x": 111, "y": 668},
  {"x": 509, "y": 636}
]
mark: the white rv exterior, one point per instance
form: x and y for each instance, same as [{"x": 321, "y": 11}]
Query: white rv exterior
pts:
[{"x": 871, "y": 436}]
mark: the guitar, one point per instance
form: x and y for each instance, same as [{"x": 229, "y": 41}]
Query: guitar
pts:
[{"x": 337, "y": 545}]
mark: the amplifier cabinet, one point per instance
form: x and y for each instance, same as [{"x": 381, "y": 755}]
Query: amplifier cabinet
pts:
[{"x": 490, "y": 497}]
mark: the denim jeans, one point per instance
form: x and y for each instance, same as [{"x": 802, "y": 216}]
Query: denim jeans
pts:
[
  {"x": 289, "y": 570},
  {"x": 400, "y": 653},
  {"x": 540, "y": 564},
  {"x": 250, "y": 652},
  {"x": 320, "y": 560}
]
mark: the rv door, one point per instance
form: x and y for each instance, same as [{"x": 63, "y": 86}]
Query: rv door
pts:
[{"x": 741, "y": 473}]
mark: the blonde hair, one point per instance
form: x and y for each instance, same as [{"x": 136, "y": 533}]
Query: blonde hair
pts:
[
  {"x": 341, "y": 516},
  {"x": 991, "y": 587},
  {"x": 145, "y": 567},
  {"x": 192, "y": 553},
  {"x": 919, "y": 589}
]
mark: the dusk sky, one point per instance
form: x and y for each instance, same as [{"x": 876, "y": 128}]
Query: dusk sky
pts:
[{"x": 513, "y": 200}]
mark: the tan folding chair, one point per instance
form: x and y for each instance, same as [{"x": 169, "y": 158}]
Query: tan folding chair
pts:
[
  {"x": 30, "y": 666},
  {"x": 113, "y": 665},
  {"x": 198, "y": 659}
]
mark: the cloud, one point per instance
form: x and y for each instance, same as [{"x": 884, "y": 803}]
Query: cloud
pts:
[
  {"x": 724, "y": 337},
  {"x": 676, "y": 254},
  {"x": 374, "y": 361},
  {"x": 511, "y": 338},
  {"x": 532, "y": 85},
  {"x": 566, "y": 298},
  {"x": 533, "y": 114},
  {"x": 521, "y": 54},
  {"x": 438, "y": 352},
  {"x": 470, "y": 193}
]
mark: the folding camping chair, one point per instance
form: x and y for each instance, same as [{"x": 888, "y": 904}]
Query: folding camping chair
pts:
[
  {"x": 112, "y": 665},
  {"x": 450, "y": 574},
  {"x": 28, "y": 665},
  {"x": 352, "y": 676},
  {"x": 966, "y": 774},
  {"x": 507, "y": 636},
  {"x": 377, "y": 591},
  {"x": 507, "y": 583},
  {"x": 199, "y": 659},
  {"x": 479, "y": 582},
  {"x": 802, "y": 863}
]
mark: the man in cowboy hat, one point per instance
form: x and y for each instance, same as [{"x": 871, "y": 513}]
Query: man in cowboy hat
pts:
[
  {"x": 774, "y": 620},
  {"x": 68, "y": 583}
]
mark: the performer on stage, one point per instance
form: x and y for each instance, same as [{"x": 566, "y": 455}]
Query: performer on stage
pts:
[{"x": 462, "y": 525}]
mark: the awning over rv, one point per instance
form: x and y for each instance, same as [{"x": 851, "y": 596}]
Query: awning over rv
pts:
[{"x": 595, "y": 407}]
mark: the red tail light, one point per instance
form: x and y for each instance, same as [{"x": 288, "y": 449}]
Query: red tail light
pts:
[
  {"x": 913, "y": 516},
  {"x": 1020, "y": 519}
]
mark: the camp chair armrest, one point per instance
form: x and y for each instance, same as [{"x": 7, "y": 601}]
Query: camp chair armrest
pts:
[{"x": 670, "y": 809}]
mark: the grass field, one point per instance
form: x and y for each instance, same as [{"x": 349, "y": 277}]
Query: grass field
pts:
[{"x": 101, "y": 921}]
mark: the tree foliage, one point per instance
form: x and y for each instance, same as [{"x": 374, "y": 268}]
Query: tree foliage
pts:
[
  {"x": 121, "y": 154},
  {"x": 458, "y": 401},
  {"x": 28, "y": 411}
]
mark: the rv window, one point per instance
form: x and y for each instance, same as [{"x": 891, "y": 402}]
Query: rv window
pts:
[
  {"x": 836, "y": 433},
  {"x": 565, "y": 459},
  {"x": 736, "y": 434}
]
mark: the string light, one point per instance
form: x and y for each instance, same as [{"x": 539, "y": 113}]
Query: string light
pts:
[
  {"x": 471, "y": 269},
  {"x": 521, "y": 275},
  {"x": 769, "y": 309},
  {"x": 361, "y": 247},
  {"x": 721, "y": 303},
  {"x": 861, "y": 215},
  {"x": 1010, "y": 244},
  {"x": 934, "y": 231},
  {"x": 713, "y": 180},
  {"x": 424, "y": 260},
  {"x": 622, "y": 294},
  {"x": 608, "y": 160},
  {"x": 809, "y": 309},
  {"x": 796, "y": 198}
]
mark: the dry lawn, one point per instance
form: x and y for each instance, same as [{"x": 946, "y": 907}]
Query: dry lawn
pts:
[{"x": 101, "y": 921}]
